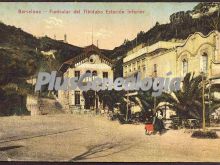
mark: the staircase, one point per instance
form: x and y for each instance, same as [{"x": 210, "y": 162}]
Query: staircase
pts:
[{"x": 50, "y": 106}]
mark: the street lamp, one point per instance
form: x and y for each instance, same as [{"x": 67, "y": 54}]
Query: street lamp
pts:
[
  {"x": 155, "y": 99},
  {"x": 127, "y": 105},
  {"x": 203, "y": 102}
]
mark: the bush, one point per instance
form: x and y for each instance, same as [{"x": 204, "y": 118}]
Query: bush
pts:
[
  {"x": 205, "y": 134},
  {"x": 19, "y": 111}
]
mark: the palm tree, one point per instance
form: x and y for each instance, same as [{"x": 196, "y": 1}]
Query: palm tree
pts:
[
  {"x": 144, "y": 99},
  {"x": 187, "y": 102},
  {"x": 149, "y": 104}
]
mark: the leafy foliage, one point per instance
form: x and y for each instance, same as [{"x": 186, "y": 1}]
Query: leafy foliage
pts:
[
  {"x": 204, "y": 134},
  {"x": 113, "y": 99},
  {"x": 187, "y": 102}
]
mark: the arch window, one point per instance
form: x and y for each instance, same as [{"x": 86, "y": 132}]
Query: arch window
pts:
[
  {"x": 184, "y": 67},
  {"x": 204, "y": 63},
  {"x": 87, "y": 78},
  {"x": 94, "y": 74}
]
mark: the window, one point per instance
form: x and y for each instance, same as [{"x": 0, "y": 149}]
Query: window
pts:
[
  {"x": 129, "y": 67},
  {"x": 144, "y": 71},
  {"x": 105, "y": 74},
  {"x": 87, "y": 78},
  {"x": 204, "y": 63},
  {"x": 125, "y": 68},
  {"x": 77, "y": 74},
  {"x": 139, "y": 65},
  {"x": 155, "y": 68},
  {"x": 77, "y": 97},
  {"x": 143, "y": 61},
  {"x": 88, "y": 71},
  {"x": 135, "y": 75},
  {"x": 185, "y": 67},
  {"x": 94, "y": 74}
]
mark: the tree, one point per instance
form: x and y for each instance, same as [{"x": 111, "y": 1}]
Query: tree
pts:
[
  {"x": 112, "y": 98},
  {"x": 17, "y": 66},
  {"x": 125, "y": 42},
  {"x": 157, "y": 24},
  {"x": 15, "y": 94},
  {"x": 147, "y": 102},
  {"x": 187, "y": 102},
  {"x": 215, "y": 20}
]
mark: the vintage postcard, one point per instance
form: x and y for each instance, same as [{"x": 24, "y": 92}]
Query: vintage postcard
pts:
[{"x": 110, "y": 81}]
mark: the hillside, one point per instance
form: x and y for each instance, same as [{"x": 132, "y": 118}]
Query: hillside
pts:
[
  {"x": 203, "y": 18},
  {"x": 18, "y": 43}
]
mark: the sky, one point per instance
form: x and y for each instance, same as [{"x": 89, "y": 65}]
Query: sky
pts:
[{"x": 109, "y": 29}]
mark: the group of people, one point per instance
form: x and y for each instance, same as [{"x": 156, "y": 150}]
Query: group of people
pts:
[{"x": 154, "y": 122}]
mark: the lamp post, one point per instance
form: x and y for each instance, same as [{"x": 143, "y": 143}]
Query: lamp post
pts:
[
  {"x": 127, "y": 105},
  {"x": 95, "y": 102},
  {"x": 203, "y": 102},
  {"x": 155, "y": 99},
  {"x": 210, "y": 102}
]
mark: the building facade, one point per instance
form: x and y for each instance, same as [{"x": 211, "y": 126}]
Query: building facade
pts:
[
  {"x": 91, "y": 60},
  {"x": 198, "y": 53}
]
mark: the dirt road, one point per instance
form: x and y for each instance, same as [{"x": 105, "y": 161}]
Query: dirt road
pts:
[{"x": 84, "y": 138}]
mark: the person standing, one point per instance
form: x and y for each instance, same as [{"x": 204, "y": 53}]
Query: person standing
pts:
[
  {"x": 158, "y": 122},
  {"x": 149, "y": 128}
]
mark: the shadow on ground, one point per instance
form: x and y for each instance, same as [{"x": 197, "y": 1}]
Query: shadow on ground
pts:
[
  {"x": 14, "y": 138},
  {"x": 9, "y": 147},
  {"x": 101, "y": 150}
]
